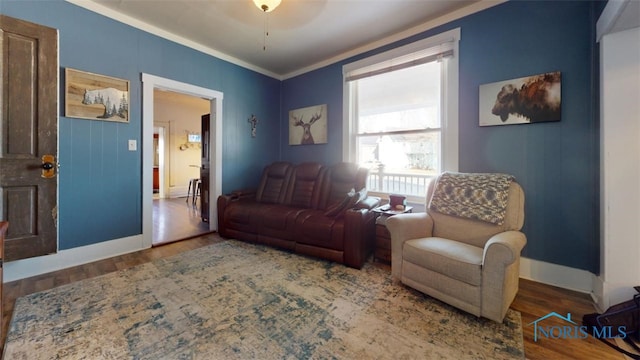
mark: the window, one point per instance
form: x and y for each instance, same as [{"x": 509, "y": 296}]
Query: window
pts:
[{"x": 401, "y": 107}]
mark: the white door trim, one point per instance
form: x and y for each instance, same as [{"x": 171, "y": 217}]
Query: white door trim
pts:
[{"x": 149, "y": 83}]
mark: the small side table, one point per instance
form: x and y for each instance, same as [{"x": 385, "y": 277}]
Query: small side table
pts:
[{"x": 383, "y": 238}]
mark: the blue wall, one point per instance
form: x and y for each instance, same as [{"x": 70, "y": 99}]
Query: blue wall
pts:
[
  {"x": 556, "y": 163},
  {"x": 100, "y": 195},
  {"x": 323, "y": 86}
]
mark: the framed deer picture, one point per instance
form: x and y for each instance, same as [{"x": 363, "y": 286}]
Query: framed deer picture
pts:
[{"x": 308, "y": 125}]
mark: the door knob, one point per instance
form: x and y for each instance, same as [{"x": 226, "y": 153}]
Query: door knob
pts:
[{"x": 48, "y": 168}]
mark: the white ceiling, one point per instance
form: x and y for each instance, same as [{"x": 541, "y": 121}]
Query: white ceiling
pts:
[{"x": 303, "y": 34}]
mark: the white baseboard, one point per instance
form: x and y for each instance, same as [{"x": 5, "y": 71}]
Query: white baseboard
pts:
[
  {"x": 178, "y": 191},
  {"x": 598, "y": 293},
  {"x": 21, "y": 269},
  {"x": 614, "y": 291},
  {"x": 557, "y": 275}
]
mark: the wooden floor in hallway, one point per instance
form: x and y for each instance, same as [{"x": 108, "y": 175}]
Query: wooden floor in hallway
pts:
[{"x": 177, "y": 219}]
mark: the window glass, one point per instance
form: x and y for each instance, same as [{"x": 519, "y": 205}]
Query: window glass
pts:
[
  {"x": 402, "y": 111},
  {"x": 414, "y": 153},
  {"x": 407, "y": 99}
]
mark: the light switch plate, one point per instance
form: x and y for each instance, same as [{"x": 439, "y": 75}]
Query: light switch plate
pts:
[{"x": 133, "y": 145}]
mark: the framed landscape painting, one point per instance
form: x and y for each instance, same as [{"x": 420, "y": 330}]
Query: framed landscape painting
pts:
[
  {"x": 530, "y": 99},
  {"x": 95, "y": 97}
]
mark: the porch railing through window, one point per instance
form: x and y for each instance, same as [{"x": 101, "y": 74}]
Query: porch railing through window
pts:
[{"x": 401, "y": 183}]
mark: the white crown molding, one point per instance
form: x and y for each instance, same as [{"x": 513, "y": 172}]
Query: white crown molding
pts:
[
  {"x": 455, "y": 15},
  {"x": 460, "y": 13},
  {"x": 128, "y": 20}
]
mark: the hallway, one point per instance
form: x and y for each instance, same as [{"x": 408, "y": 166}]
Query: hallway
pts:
[{"x": 176, "y": 219}]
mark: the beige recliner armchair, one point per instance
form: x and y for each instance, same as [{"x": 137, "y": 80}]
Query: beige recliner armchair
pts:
[{"x": 468, "y": 263}]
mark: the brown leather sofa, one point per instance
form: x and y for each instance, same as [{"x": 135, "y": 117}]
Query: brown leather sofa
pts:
[{"x": 309, "y": 208}]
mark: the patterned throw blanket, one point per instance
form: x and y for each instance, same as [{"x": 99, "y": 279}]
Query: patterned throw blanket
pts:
[{"x": 473, "y": 196}]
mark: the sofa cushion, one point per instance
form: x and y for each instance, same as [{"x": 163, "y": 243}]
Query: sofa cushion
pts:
[
  {"x": 350, "y": 201},
  {"x": 278, "y": 221},
  {"x": 304, "y": 190},
  {"x": 337, "y": 208},
  {"x": 243, "y": 215},
  {"x": 274, "y": 182},
  {"x": 339, "y": 180},
  {"x": 457, "y": 260},
  {"x": 313, "y": 228}
]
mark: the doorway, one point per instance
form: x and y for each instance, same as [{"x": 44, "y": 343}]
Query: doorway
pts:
[
  {"x": 150, "y": 84},
  {"x": 160, "y": 131},
  {"x": 177, "y": 150}
]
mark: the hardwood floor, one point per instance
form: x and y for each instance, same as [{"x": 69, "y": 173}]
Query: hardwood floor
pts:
[
  {"x": 534, "y": 300},
  {"x": 176, "y": 219}
]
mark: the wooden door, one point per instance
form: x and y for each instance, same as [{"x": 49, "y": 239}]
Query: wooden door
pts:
[
  {"x": 205, "y": 168},
  {"x": 3, "y": 229},
  {"x": 28, "y": 137}
]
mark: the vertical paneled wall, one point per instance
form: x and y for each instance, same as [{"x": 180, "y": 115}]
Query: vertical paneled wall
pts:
[
  {"x": 100, "y": 179},
  {"x": 323, "y": 86},
  {"x": 556, "y": 163}
]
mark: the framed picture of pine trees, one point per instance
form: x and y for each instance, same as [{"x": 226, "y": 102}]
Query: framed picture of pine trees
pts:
[{"x": 95, "y": 97}]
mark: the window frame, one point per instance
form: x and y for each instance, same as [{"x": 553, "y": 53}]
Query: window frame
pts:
[{"x": 449, "y": 126}]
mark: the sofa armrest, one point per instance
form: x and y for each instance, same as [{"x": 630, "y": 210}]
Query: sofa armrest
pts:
[
  {"x": 243, "y": 193},
  {"x": 224, "y": 200},
  {"x": 501, "y": 273},
  {"x": 403, "y": 227},
  {"x": 369, "y": 203},
  {"x": 504, "y": 248},
  {"x": 221, "y": 203},
  {"x": 359, "y": 229}
]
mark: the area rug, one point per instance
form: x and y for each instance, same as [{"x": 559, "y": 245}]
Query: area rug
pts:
[{"x": 234, "y": 300}]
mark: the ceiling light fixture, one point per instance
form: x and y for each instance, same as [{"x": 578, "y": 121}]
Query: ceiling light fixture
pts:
[{"x": 267, "y": 5}]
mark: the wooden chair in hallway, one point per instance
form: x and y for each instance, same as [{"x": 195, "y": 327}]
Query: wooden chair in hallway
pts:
[{"x": 193, "y": 190}]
